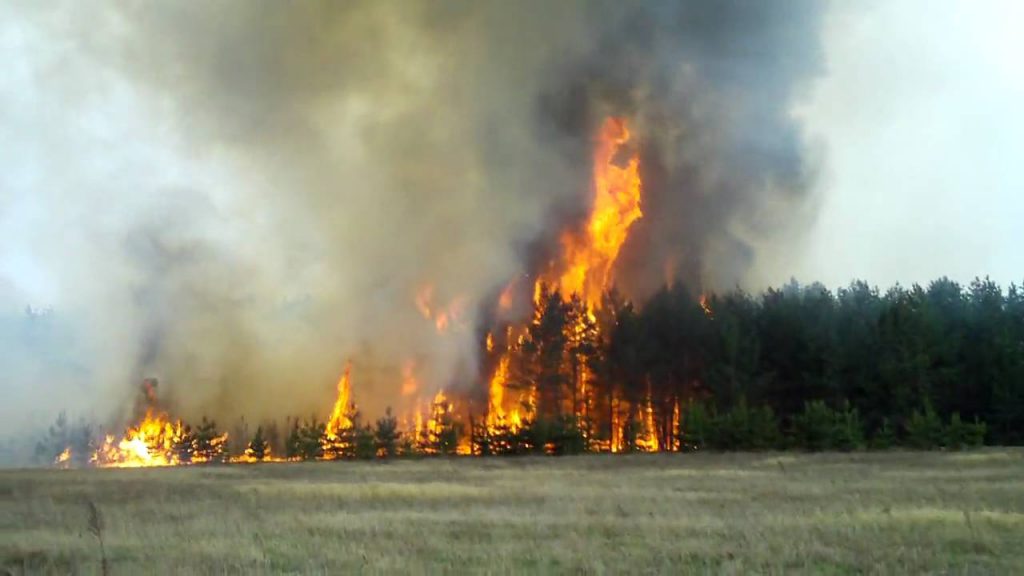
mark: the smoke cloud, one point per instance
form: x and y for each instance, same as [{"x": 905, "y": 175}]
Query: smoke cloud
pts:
[{"x": 239, "y": 197}]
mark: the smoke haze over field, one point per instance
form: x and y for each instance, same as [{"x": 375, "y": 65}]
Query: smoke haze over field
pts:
[{"x": 239, "y": 197}]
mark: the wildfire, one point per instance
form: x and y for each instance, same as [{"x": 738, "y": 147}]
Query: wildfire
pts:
[
  {"x": 409, "y": 383},
  {"x": 589, "y": 256},
  {"x": 496, "y": 395},
  {"x": 705, "y": 305},
  {"x": 340, "y": 419},
  {"x": 648, "y": 438},
  {"x": 582, "y": 274},
  {"x": 157, "y": 441},
  {"x": 585, "y": 269},
  {"x": 443, "y": 318},
  {"x": 439, "y": 433},
  {"x": 505, "y": 299}
]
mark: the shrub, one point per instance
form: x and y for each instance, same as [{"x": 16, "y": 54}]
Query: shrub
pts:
[
  {"x": 566, "y": 437},
  {"x": 208, "y": 443},
  {"x": 924, "y": 429},
  {"x": 62, "y": 435},
  {"x": 813, "y": 429},
  {"x": 365, "y": 445},
  {"x": 847, "y": 431},
  {"x": 976, "y": 432},
  {"x": 257, "y": 448},
  {"x": 386, "y": 435},
  {"x": 696, "y": 427},
  {"x": 741, "y": 428},
  {"x": 733, "y": 428},
  {"x": 764, "y": 431},
  {"x": 885, "y": 437},
  {"x": 962, "y": 435}
]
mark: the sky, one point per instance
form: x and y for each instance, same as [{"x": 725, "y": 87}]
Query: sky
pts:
[{"x": 921, "y": 120}]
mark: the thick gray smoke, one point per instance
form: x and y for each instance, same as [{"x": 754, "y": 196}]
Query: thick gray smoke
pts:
[{"x": 238, "y": 197}]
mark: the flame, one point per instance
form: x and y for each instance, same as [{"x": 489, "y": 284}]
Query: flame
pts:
[
  {"x": 424, "y": 297},
  {"x": 155, "y": 441},
  {"x": 249, "y": 457},
  {"x": 584, "y": 268},
  {"x": 496, "y": 395},
  {"x": 589, "y": 256},
  {"x": 409, "y": 383},
  {"x": 64, "y": 458},
  {"x": 648, "y": 438},
  {"x": 419, "y": 430},
  {"x": 340, "y": 420},
  {"x": 705, "y": 305},
  {"x": 506, "y": 297},
  {"x": 440, "y": 421},
  {"x": 443, "y": 318}
]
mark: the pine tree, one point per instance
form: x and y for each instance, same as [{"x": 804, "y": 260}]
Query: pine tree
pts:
[
  {"x": 258, "y": 448},
  {"x": 184, "y": 445},
  {"x": 209, "y": 443},
  {"x": 311, "y": 440},
  {"x": 364, "y": 446},
  {"x": 386, "y": 435},
  {"x": 545, "y": 353},
  {"x": 293, "y": 445},
  {"x": 924, "y": 429}
]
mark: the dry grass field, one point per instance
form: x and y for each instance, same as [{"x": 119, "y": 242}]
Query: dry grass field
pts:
[{"x": 719, "y": 513}]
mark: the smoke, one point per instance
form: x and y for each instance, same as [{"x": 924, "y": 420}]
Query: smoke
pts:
[{"x": 239, "y": 197}]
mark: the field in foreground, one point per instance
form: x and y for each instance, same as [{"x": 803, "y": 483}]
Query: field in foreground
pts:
[{"x": 891, "y": 512}]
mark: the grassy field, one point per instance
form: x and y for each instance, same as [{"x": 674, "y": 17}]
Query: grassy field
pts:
[{"x": 732, "y": 513}]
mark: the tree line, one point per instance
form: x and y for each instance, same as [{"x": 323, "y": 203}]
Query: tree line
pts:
[{"x": 799, "y": 367}]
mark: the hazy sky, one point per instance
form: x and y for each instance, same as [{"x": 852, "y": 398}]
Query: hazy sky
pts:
[{"x": 919, "y": 115}]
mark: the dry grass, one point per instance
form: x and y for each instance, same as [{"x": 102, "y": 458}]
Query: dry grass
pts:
[{"x": 733, "y": 513}]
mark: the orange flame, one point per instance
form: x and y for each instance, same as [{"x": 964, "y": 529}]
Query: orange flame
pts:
[
  {"x": 409, "y": 383},
  {"x": 585, "y": 268},
  {"x": 705, "y": 305},
  {"x": 496, "y": 395},
  {"x": 340, "y": 420},
  {"x": 443, "y": 319},
  {"x": 424, "y": 297},
  {"x": 506, "y": 297},
  {"x": 590, "y": 256},
  {"x": 155, "y": 441}
]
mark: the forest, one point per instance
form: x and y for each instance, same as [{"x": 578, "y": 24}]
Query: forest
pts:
[
  {"x": 794, "y": 367},
  {"x": 797, "y": 367}
]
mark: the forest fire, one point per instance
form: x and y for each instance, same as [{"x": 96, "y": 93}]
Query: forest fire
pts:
[
  {"x": 158, "y": 441},
  {"x": 336, "y": 432},
  {"x": 589, "y": 255},
  {"x": 530, "y": 383},
  {"x": 581, "y": 276},
  {"x": 443, "y": 318}
]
